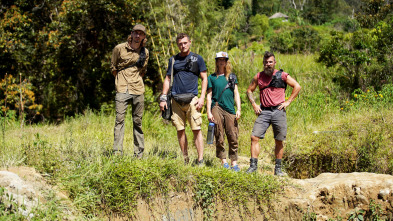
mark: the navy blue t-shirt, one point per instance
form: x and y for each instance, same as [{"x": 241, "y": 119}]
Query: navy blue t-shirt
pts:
[{"x": 185, "y": 81}]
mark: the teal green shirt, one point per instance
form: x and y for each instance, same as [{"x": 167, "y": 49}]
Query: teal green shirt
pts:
[{"x": 217, "y": 84}]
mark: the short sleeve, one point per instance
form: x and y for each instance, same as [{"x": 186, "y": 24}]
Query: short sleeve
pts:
[
  {"x": 201, "y": 64},
  {"x": 168, "y": 71},
  {"x": 209, "y": 82},
  {"x": 284, "y": 76}
]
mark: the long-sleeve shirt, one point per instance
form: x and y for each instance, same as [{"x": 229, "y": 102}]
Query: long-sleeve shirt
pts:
[{"x": 128, "y": 78}]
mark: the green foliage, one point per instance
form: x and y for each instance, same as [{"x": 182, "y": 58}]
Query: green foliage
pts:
[
  {"x": 367, "y": 144},
  {"x": 363, "y": 58},
  {"x": 17, "y": 96},
  {"x": 373, "y": 11},
  {"x": 298, "y": 40},
  {"x": 321, "y": 11},
  {"x": 259, "y": 24}
]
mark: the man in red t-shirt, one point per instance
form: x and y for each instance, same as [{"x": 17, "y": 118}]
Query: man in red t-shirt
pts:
[{"x": 272, "y": 84}]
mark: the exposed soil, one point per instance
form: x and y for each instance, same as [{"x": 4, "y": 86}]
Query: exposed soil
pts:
[{"x": 327, "y": 196}]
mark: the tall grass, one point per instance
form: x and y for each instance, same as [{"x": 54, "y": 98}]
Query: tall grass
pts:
[{"x": 327, "y": 132}]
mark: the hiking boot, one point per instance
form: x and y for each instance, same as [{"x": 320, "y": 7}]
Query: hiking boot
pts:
[
  {"x": 138, "y": 155},
  {"x": 226, "y": 165},
  {"x": 253, "y": 165},
  {"x": 117, "y": 153},
  {"x": 278, "y": 171},
  {"x": 201, "y": 163},
  {"x": 235, "y": 168}
]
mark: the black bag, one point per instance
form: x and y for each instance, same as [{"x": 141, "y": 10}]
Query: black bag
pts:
[
  {"x": 167, "y": 113},
  {"x": 183, "y": 98}
]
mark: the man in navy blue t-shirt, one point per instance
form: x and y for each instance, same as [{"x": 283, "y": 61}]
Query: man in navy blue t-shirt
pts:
[{"x": 186, "y": 105}]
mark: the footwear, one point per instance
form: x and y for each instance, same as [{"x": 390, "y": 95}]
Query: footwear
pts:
[
  {"x": 235, "y": 168},
  {"x": 253, "y": 165},
  {"x": 201, "y": 163},
  {"x": 138, "y": 156},
  {"x": 117, "y": 153},
  {"x": 278, "y": 171},
  {"x": 226, "y": 165}
]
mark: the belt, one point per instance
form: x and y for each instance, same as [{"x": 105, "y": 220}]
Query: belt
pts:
[{"x": 270, "y": 108}]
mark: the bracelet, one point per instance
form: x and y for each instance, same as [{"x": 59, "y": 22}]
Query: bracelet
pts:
[{"x": 163, "y": 97}]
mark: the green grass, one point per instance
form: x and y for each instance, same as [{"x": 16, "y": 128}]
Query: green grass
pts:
[{"x": 354, "y": 134}]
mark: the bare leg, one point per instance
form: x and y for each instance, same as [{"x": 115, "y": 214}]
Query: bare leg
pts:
[
  {"x": 233, "y": 163},
  {"x": 181, "y": 136},
  {"x": 279, "y": 150},
  {"x": 254, "y": 147},
  {"x": 223, "y": 161},
  {"x": 198, "y": 143}
]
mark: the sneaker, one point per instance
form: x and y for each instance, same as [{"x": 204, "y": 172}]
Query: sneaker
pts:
[
  {"x": 201, "y": 163},
  {"x": 226, "y": 165},
  {"x": 235, "y": 168}
]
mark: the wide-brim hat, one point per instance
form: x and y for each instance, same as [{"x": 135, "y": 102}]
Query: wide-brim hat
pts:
[
  {"x": 222, "y": 54},
  {"x": 139, "y": 27}
]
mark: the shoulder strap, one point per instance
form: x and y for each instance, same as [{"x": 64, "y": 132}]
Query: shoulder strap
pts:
[
  {"x": 276, "y": 77},
  {"x": 140, "y": 62},
  {"x": 228, "y": 84},
  {"x": 173, "y": 62}
]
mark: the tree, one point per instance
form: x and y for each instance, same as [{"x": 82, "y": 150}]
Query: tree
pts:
[
  {"x": 373, "y": 11},
  {"x": 259, "y": 24}
]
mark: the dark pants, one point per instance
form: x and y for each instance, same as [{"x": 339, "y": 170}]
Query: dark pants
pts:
[
  {"x": 137, "y": 103},
  {"x": 225, "y": 123}
]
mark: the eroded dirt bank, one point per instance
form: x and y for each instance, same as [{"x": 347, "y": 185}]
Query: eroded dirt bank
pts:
[{"x": 328, "y": 196}]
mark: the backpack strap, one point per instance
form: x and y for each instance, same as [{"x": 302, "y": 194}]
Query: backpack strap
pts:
[
  {"x": 231, "y": 84},
  {"x": 277, "y": 81},
  {"x": 140, "y": 62}
]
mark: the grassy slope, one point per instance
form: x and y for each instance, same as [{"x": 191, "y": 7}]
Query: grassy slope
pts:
[{"x": 74, "y": 152}]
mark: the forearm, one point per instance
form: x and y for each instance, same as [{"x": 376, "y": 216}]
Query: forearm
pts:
[
  {"x": 209, "y": 103},
  {"x": 295, "y": 92},
  {"x": 165, "y": 87},
  {"x": 204, "y": 87},
  {"x": 238, "y": 103},
  {"x": 250, "y": 97}
]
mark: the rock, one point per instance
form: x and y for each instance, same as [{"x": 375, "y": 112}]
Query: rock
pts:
[
  {"x": 18, "y": 191},
  {"x": 384, "y": 194}
]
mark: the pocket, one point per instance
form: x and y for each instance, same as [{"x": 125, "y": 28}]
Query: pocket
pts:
[{"x": 197, "y": 117}]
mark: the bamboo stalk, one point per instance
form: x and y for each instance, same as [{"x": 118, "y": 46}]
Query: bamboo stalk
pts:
[
  {"x": 21, "y": 107},
  {"x": 154, "y": 46},
  {"x": 5, "y": 108}
]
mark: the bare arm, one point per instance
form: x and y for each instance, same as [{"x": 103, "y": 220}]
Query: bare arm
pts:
[
  {"x": 209, "y": 104},
  {"x": 251, "y": 88},
  {"x": 201, "y": 99},
  {"x": 238, "y": 103},
  {"x": 165, "y": 89},
  {"x": 296, "y": 88}
]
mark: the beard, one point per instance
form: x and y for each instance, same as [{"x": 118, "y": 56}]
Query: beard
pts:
[{"x": 269, "y": 70}]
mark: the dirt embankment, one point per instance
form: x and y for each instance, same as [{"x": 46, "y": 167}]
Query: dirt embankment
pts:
[{"x": 326, "y": 196}]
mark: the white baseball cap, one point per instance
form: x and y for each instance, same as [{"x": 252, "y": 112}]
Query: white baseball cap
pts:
[{"x": 222, "y": 54}]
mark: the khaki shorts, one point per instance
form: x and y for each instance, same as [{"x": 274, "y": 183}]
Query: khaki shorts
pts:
[{"x": 188, "y": 112}]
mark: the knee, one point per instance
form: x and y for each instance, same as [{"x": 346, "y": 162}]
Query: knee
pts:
[
  {"x": 137, "y": 121},
  {"x": 254, "y": 139}
]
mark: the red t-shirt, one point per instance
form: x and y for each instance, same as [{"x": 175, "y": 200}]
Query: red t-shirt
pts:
[{"x": 270, "y": 96}]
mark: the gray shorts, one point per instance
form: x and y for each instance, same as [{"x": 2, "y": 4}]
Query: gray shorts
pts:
[{"x": 276, "y": 118}]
